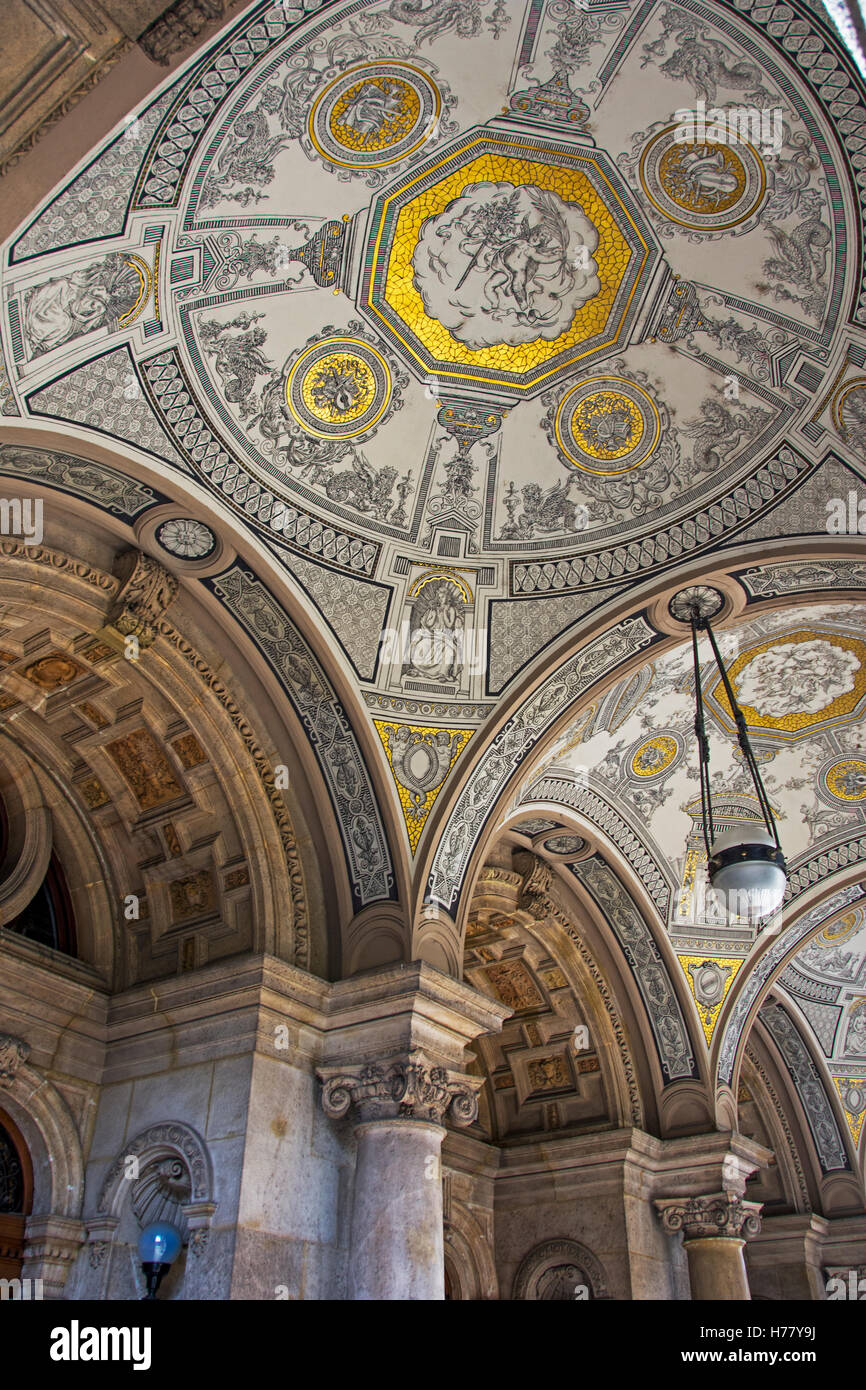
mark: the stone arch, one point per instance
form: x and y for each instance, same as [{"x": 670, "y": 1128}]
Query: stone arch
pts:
[
  {"x": 53, "y": 1231},
  {"x": 168, "y": 1139},
  {"x": 469, "y": 1257},
  {"x": 538, "y": 913},
  {"x": 826, "y": 1139},
  {"x": 744, "y": 1002},
  {"x": 47, "y": 1125},
  {"x": 30, "y": 837},
  {"x": 61, "y": 827},
  {"x": 553, "y": 1268},
  {"x": 674, "y": 1071},
  {"x": 133, "y": 467},
  {"x": 175, "y": 677},
  {"x": 581, "y": 669},
  {"x": 769, "y": 1090}
]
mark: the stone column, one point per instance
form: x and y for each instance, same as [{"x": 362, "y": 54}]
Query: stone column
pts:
[
  {"x": 714, "y": 1231},
  {"x": 51, "y": 1246},
  {"x": 394, "y": 1058},
  {"x": 396, "y": 1244}
]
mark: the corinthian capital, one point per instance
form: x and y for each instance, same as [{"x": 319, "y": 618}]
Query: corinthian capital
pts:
[
  {"x": 407, "y": 1087},
  {"x": 147, "y": 589},
  {"x": 722, "y": 1214},
  {"x": 13, "y": 1052}
]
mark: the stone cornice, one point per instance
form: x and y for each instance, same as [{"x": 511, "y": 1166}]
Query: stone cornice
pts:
[
  {"x": 629, "y": 1160},
  {"x": 398, "y": 1008}
]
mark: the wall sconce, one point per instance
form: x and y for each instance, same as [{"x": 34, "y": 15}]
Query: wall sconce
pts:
[{"x": 158, "y": 1248}]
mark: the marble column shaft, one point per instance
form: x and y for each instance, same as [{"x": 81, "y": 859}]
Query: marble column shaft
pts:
[{"x": 396, "y": 1241}]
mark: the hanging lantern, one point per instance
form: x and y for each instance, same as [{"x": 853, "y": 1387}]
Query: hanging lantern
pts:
[{"x": 746, "y": 866}]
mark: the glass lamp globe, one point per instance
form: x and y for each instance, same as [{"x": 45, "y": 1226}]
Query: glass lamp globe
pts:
[
  {"x": 159, "y": 1244},
  {"x": 747, "y": 870}
]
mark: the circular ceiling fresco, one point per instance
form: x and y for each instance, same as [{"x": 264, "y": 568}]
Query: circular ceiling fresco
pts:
[
  {"x": 534, "y": 277},
  {"x": 470, "y": 315}
]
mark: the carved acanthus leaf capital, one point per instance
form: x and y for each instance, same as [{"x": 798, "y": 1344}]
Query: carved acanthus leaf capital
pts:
[
  {"x": 720, "y": 1214},
  {"x": 147, "y": 590},
  {"x": 534, "y": 896},
  {"x": 408, "y": 1087},
  {"x": 13, "y": 1053}
]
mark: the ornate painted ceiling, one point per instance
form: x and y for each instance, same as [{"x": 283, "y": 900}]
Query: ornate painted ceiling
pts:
[{"x": 416, "y": 340}]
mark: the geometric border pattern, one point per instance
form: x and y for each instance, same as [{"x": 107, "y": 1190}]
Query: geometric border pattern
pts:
[
  {"x": 809, "y": 1087},
  {"x": 720, "y": 520},
  {"x": 371, "y": 871},
  {"x": 646, "y": 964},
  {"x": 786, "y": 942},
  {"x": 589, "y": 804},
  {"x": 188, "y": 121},
  {"x": 810, "y": 873}
]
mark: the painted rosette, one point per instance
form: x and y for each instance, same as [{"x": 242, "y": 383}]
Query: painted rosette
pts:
[
  {"x": 607, "y": 425},
  {"x": 339, "y": 388},
  {"x": 708, "y": 186},
  {"x": 374, "y": 115},
  {"x": 187, "y": 538},
  {"x": 655, "y": 756},
  {"x": 845, "y": 779},
  {"x": 565, "y": 844}
]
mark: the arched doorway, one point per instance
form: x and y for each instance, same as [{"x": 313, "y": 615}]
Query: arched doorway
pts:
[{"x": 16, "y": 1197}]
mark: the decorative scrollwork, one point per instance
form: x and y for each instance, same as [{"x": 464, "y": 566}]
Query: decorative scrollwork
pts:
[
  {"x": 408, "y": 1087},
  {"x": 721, "y": 1214}
]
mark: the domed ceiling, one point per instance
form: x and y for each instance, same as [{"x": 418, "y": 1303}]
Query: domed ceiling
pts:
[{"x": 440, "y": 336}]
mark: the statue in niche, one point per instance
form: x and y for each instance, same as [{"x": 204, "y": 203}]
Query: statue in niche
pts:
[
  {"x": 436, "y": 632},
  {"x": 66, "y": 306},
  {"x": 855, "y": 1038}
]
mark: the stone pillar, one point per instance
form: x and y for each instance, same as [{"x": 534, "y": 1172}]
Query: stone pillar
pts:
[
  {"x": 785, "y": 1261},
  {"x": 51, "y": 1247},
  {"x": 397, "y": 1243},
  {"x": 198, "y": 1217},
  {"x": 93, "y": 1277},
  {"x": 397, "y": 1045},
  {"x": 714, "y": 1233}
]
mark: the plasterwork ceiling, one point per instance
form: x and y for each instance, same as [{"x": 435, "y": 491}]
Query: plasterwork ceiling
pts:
[
  {"x": 430, "y": 298},
  {"x": 630, "y": 773}
]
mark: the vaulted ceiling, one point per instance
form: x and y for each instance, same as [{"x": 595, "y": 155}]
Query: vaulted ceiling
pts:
[{"x": 415, "y": 342}]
